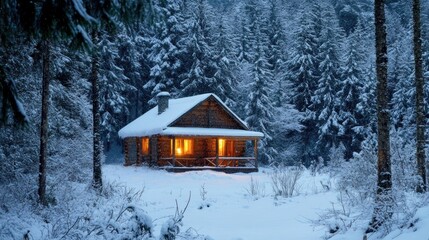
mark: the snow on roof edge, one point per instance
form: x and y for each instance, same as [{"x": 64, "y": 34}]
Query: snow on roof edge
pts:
[{"x": 219, "y": 132}]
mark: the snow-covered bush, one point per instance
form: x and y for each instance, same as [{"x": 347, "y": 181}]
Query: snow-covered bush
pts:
[
  {"x": 403, "y": 157},
  {"x": 316, "y": 166},
  {"x": 171, "y": 228},
  {"x": 130, "y": 223},
  {"x": 339, "y": 218},
  {"x": 284, "y": 181},
  {"x": 335, "y": 165}
]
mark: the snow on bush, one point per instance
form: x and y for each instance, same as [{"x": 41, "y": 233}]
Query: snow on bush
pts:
[
  {"x": 284, "y": 181},
  {"x": 171, "y": 229}
]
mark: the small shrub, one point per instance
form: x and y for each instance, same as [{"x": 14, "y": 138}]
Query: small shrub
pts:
[
  {"x": 171, "y": 228},
  {"x": 203, "y": 195},
  {"x": 255, "y": 188},
  {"x": 285, "y": 181}
]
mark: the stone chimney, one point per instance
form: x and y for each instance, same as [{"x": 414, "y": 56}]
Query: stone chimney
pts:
[{"x": 162, "y": 99}]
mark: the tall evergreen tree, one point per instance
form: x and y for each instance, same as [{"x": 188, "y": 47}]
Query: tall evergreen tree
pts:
[
  {"x": 113, "y": 87},
  {"x": 302, "y": 73},
  {"x": 108, "y": 15},
  {"x": 352, "y": 87},
  {"x": 199, "y": 77},
  {"x": 259, "y": 108},
  {"x": 276, "y": 53},
  {"x": 167, "y": 50},
  {"x": 128, "y": 58},
  {"x": 325, "y": 99},
  {"x": 420, "y": 108},
  {"x": 383, "y": 199},
  {"x": 403, "y": 91},
  {"x": 224, "y": 78}
]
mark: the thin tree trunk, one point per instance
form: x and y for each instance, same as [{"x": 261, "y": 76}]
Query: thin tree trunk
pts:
[
  {"x": 383, "y": 198},
  {"x": 44, "y": 122},
  {"x": 97, "y": 180},
  {"x": 420, "y": 110}
]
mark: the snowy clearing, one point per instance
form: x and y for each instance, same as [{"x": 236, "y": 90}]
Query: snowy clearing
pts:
[{"x": 233, "y": 212}]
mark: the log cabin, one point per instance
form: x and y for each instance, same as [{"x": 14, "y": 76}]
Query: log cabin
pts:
[{"x": 191, "y": 133}]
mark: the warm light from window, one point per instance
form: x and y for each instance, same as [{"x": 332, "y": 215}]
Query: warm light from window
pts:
[
  {"x": 184, "y": 146},
  {"x": 221, "y": 147},
  {"x": 226, "y": 148},
  {"x": 145, "y": 146}
]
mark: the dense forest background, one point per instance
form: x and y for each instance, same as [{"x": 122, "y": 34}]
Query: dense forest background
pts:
[{"x": 300, "y": 72}]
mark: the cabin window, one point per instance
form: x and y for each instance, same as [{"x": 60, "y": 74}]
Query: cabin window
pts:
[
  {"x": 226, "y": 148},
  {"x": 183, "y": 146},
  {"x": 145, "y": 146}
]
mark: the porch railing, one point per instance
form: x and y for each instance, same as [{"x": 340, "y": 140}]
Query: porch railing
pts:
[{"x": 209, "y": 162}]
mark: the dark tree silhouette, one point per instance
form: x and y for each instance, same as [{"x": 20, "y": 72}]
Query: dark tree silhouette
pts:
[
  {"x": 420, "y": 109},
  {"x": 383, "y": 198}
]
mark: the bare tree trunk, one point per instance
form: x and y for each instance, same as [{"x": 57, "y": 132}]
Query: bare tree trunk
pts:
[
  {"x": 420, "y": 110},
  {"x": 383, "y": 199},
  {"x": 97, "y": 180},
  {"x": 44, "y": 122}
]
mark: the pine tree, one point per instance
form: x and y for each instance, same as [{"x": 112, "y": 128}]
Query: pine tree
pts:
[
  {"x": 167, "y": 50},
  {"x": 244, "y": 42},
  {"x": 128, "y": 57},
  {"x": 325, "y": 98},
  {"x": 260, "y": 111},
  {"x": 276, "y": 53},
  {"x": 225, "y": 65},
  {"x": 404, "y": 91},
  {"x": 113, "y": 87},
  {"x": 352, "y": 73},
  {"x": 199, "y": 76},
  {"x": 302, "y": 73}
]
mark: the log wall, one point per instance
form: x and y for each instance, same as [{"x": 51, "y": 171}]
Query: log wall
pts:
[{"x": 208, "y": 114}]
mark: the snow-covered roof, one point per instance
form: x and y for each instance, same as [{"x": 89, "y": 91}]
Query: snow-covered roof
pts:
[{"x": 152, "y": 123}]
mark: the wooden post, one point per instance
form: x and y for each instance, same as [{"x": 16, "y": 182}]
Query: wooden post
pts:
[
  {"x": 174, "y": 151},
  {"x": 217, "y": 152},
  {"x": 126, "y": 162},
  {"x": 139, "y": 150},
  {"x": 255, "y": 151}
]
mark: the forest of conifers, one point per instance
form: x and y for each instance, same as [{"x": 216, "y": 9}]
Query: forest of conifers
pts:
[{"x": 301, "y": 72}]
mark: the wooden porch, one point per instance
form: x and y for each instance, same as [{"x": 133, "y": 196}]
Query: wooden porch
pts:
[{"x": 186, "y": 153}]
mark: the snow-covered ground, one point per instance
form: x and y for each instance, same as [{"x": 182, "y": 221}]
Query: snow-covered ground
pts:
[
  {"x": 232, "y": 213},
  {"x": 227, "y": 211}
]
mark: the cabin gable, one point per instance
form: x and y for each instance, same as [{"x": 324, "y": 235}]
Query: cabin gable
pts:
[{"x": 208, "y": 114}]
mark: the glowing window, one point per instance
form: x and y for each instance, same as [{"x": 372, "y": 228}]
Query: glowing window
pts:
[
  {"x": 145, "y": 146},
  {"x": 184, "y": 146},
  {"x": 226, "y": 148}
]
